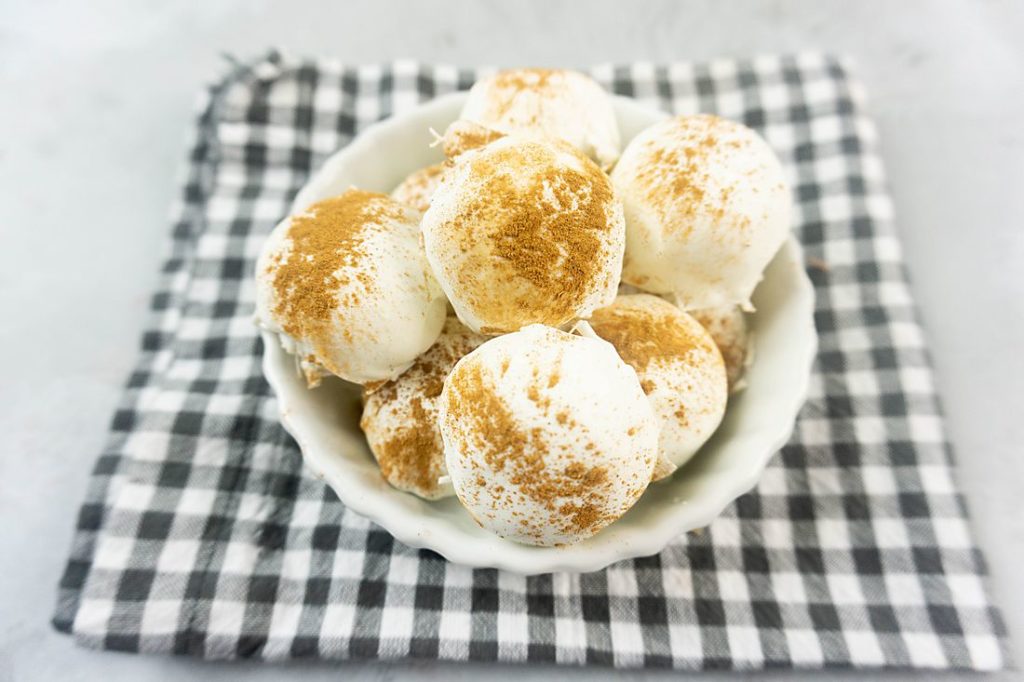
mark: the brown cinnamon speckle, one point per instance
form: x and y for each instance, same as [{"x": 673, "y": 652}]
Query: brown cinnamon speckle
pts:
[
  {"x": 326, "y": 250},
  {"x": 523, "y": 455},
  {"x": 533, "y": 232}
]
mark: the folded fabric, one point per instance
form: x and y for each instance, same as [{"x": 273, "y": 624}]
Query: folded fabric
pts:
[{"x": 202, "y": 533}]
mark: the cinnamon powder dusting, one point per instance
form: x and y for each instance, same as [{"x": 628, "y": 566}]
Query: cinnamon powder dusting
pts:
[
  {"x": 523, "y": 455},
  {"x": 523, "y": 79},
  {"x": 728, "y": 330},
  {"x": 642, "y": 336},
  {"x": 326, "y": 250},
  {"x": 507, "y": 84},
  {"x": 546, "y": 226},
  {"x": 462, "y": 136},
  {"x": 680, "y": 172},
  {"x": 409, "y": 455},
  {"x": 400, "y": 416},
  {"x": 419, "y": 186},
  {"x": 679, "y": 367}
]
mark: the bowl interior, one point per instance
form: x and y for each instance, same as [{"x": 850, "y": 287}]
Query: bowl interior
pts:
[{"x": 325, "y": 420}]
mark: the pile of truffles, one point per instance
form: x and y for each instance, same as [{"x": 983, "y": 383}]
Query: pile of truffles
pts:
[{"x": 542, "y": 326}]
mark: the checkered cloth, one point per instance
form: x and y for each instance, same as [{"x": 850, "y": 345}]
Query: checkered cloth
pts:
[{"x": 203, "y": 534}]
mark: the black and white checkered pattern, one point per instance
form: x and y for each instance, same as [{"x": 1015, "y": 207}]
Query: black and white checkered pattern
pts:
[{"x": 203, "y": 534}]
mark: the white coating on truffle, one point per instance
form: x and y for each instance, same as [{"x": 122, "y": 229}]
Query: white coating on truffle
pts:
[
  {"x": 548, "y": 435},
  {"x": 381, "y": 307},
  {"x": 680, "y": 370},
  {"x": 524, "y": 231},
  {"x": 400, "y": 417},
  {"x": 554, "y": 102},
  {"x": 706, "y": 206}
]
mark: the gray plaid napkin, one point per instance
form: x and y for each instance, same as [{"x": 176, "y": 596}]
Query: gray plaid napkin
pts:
[{"x": 203, "y": 534}]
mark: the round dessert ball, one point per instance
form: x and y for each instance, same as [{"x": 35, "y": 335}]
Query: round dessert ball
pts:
[
  {"x": 463, "y": 136},
  {"x": 548, "y": 437},
  {"x": 346, "y": 288},
  {"x": 417, "y": 188},
  {"x": 523, "y": 231},
  {"x": 400, "y": 417},
  {"x": 728, "y": 328},
  {"x": 680, "y": 369},
  {"x": 554, "y": 102},
  {"x": 707, "y": 207}
]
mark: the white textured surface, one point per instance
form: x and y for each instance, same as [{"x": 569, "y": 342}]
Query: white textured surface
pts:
[
  {"x": 708, "y": 244},
  {"x": 96, "y": 101},
  {"x": 563, "y": 104},
  {"x": 362, "y": 345},
  {"x": 408, "y": 405},
  {"x": 687, "y": 389},
  {"x": 463, "y": 244},
  {"x": 536, "y": 373}
]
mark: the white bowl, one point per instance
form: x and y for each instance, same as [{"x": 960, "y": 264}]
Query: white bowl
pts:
[{"x": 325, "y": 421}]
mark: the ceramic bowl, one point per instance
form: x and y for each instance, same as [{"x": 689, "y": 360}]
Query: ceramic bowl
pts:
[{"x": 325, "y": 420}]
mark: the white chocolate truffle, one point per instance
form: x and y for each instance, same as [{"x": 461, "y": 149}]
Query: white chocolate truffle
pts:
[
  {"x": 346, "y": 288},
  {"x": 680, "y": 369},
  {"x": 554, "y": 102},
  {"x": 523, "y": 231},
  {"x": 463, "y": 136},
  {"x": 417, "y": 188},
  {"x": 728, "y": 328},
  {"x": 707, "y": 207},
  {"x": 400, "y": 416},
  {"x": 548, "y": 437}
]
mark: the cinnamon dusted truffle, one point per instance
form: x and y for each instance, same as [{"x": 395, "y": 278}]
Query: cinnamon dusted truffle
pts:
[
  {"x": 400, "y": 416},
  {"x": 707, "y": 207},
  {"x": 679, "y": 367},
  {"x": 524, "y": 231},
  {"x": 728, "y": 327},
  {"x": 417, "y": 188},
  {"x": 552, "y": 102},
  {"x": 347, "y": 290},
  {"x": 548, "y": 436},
  {"x": 463, "y": 136}
]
